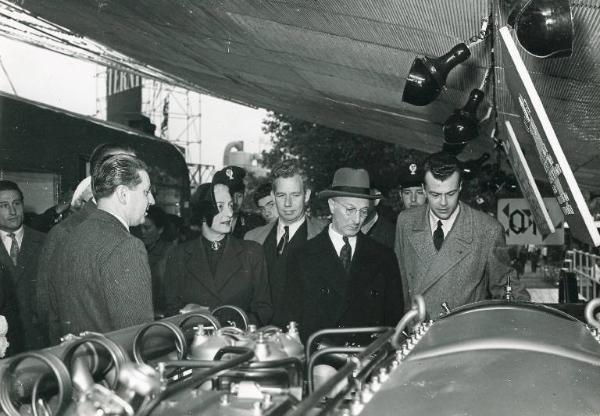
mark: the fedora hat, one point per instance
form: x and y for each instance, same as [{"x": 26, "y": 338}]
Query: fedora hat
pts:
[{"x": 350, "y": 182}]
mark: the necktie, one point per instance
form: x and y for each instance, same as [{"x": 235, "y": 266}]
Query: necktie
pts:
[
  {"x": 346, "y": 254},
  {"x": 285, "y": 238},
  {"x": 14, "y": 248},
  {"x": 438, "y": 236}
]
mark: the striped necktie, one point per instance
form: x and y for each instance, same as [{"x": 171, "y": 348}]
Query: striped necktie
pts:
[{"x": 14, "y": 248}]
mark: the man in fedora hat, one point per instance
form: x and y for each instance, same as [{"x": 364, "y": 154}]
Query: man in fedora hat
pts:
[{"x": 342, "y": 278}]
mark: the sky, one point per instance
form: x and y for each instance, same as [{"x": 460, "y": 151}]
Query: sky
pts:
[{"x": 72, "y": 84}]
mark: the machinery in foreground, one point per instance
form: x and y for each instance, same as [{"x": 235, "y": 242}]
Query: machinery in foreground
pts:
[{"x": 492, "y": 358}]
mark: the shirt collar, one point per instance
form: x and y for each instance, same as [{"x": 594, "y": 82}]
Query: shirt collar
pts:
[
  {"x": 18, "y": 235},
  {"x": 338, "y": 240},
  {"x": 446, "y": 224},
  {"x": 293, "y": 227}
]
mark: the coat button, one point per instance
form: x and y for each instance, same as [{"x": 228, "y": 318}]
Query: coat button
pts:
[
  {"x": 324, "y": 291},
  {"x": 374, "y": 293}
]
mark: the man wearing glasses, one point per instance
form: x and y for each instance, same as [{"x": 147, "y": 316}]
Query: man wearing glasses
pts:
[{"x": 342, "y": 278}]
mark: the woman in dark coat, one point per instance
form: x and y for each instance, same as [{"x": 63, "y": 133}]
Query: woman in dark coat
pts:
[{"x": 217, "y": 269}]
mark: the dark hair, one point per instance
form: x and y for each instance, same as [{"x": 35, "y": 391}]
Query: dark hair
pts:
[
  {"x": 157, "y": 216},
  {"x": 10, "y": 186},
  {"x": 204, "y": 207},
  {"x": 262, "y": 191},
  {"x": 105, "y": 150},
  {"x": 441, "y": 165},
  {"x": 117, "y": 170},
  {"x": 287, "y": 169}
]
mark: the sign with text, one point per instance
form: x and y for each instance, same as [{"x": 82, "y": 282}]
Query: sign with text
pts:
[
  {"x": 520, "y": 167},
  {"x": 520, "y": 226},
  {"x": 552, "y": 158}
]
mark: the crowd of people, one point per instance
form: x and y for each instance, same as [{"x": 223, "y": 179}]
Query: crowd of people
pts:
[{"x": 120, "y": 261}]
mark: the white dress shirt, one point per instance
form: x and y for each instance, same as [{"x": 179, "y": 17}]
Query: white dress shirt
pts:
[
  {"x": 446, "y": 224},
  {"x": 293, "y": 228},
  {"x": 338, "y": 241},
  {"x": 7, "y": 241}
]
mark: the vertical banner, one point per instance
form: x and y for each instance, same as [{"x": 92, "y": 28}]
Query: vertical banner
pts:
[
  {"x": 123, "y": 96},
  {"x": 537, "y": 124}
]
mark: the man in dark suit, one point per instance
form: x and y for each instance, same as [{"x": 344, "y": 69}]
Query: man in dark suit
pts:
[
  {"x": 448, "y": 251},
  {"x": 102, "y": 278},
  {"x": 292, "y": 229},
  {"x": 21, "y": 246},
  {"x": 341, "y": 278},
  {"x": 58, "y": 235},
  {"x": 233, "y": 178}
]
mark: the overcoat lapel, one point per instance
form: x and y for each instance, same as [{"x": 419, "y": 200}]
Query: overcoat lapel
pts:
[
  {"x": 358, "y": 268},
  {"x": 230, "y": 263},
  {"x": 457, "y": 245},
  {"x": 421, "y": 239},
  {"x": 196, "y": 265}
]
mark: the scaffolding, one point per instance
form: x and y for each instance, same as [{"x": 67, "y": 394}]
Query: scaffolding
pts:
[{"x": 176, "y": 113}]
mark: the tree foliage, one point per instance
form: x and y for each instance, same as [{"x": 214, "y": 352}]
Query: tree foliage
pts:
[{"x": 321, "y": 151}]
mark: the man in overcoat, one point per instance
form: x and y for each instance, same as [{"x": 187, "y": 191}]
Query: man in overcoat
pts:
[
  {"x": 59, "y": 234},
  {"x": 448, "y": 251},
  {"x": 19, "y": 255},
  {"x": 342, "y": 278},
  {"x": 293, "y": 228},
  {"x": 102, "y": 280}
]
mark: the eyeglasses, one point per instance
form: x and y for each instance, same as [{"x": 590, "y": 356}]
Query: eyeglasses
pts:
[
  {"x": 267, "y": 207},
  {"x": 350, "y": 211}
]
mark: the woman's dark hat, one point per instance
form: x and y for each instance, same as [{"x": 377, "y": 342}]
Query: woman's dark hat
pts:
[
  {"x": 231, "y": 176},
  {"x": 350, "y": 182},
  {"x": 411, "y": 174}
]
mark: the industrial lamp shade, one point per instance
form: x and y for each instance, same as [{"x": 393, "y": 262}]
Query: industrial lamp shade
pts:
[
  {"x": 427, "y": 76},
  {"x": 462, "y": 126},
  {"x": 544, "y": 27}
]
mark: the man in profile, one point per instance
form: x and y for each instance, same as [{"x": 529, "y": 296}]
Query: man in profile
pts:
[
  {"x": 448, "y": 251},
  {"x": 61, "y": 231},
  {"x": 102, "y": 281},
  {"x": 342, "y": 278},
  {"x": 293, "y": 228}
]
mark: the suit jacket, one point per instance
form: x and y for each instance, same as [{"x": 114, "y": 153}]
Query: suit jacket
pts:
[
  {"x": 245, "y": 222},
  {"x": 472, "y": 264},
  {"x": 24, "y": 277},
  {"x": 277, "y": 264},
  {"x": 259, "y": 234},
  {"x": 102, "y": 279},
  {"x": 241, "y": 278},
  {"x": 57, "y": 236},
  {"x": 321, "y": 294}
]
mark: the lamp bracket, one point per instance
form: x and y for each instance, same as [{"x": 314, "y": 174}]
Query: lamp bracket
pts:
[{"x": 484, "y": 32}]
